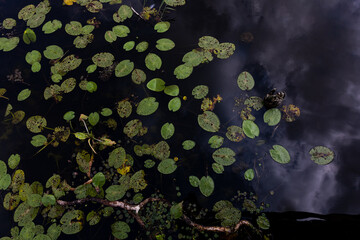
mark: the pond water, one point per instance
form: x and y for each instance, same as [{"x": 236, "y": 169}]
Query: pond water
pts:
[{"x": 308, "y": 50}]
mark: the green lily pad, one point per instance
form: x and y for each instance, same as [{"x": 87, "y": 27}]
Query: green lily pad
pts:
[
  {"x": 68, "y": 85},
  {"x": 194, "y": 181},
  {"x": 161, "y": 150},
  {"x": 69, "y": 115},
  {"x": 83, "y": 160},
  {"x": 162, "y": 27},
  {"x": 91, "y": 68},
  {"x": 56, "y": 78},
  {"x": 103, "y": 59},
  {"x": 280, "y": 154},
  {"x": 129, "y": 45},
  {"x": 124, "y": 108},
  {"x": 218, "y": 168},
  {"x": 138, "y": 76},
  {"x": 36, "y": 67},
  {"x": 272, "y": 116},
  {"x": 174, "y": 104},
  {"x": 142, "y": 46},
  {"x": 132, "y": 128},
  {"x": 225, "y": 50},
  {"x": 98, "y": 180},
  {"x": 149, "y": 163},
  {"x": 167, "y": 166},
  {"x": 249, "y": 174},
  {"x": 175, "y": 3},
  {"x": 93, "y": 118},
  {"x": 321, "y": 155},
  {"x": 83, "y": 40},
  {"x": 87, "y": 29},
  {"x": 35, "y": 20},
  {"x": 147, "y": 106},
  {"x": 200, "y": 91},
  {"x": 153, "y": 61},
  {"x": 216, "y": 141},
  {"x": 208, "y": 42},
  {"x": 26, "y": 12},
  {"x": 24, "y": 94},
  {"x": 224, "y": 156},
  {"x": 120, "y": 230},
  {"x": 13, "y": 161},
  {"x": 117, "y": 157},
  {"x": 165, "y": 44},
  {"x": 29, "y": 36},
  {"x": 124, "y": 68},
  {"x": 167, "y": 130},
  {"x": 250, "y": 129},
  {"x": 18, "y": 117},
  {"x": 235, "y": 133},
  {"x": 245, "y": 81},
  {"x": 94, "y": 6},
  {"x": 121, "y": 30},
  {"x": 9, "y": 23},
  {"x": 36, "y": 124},
  {"x": 209, "y": 121},
  {"x": 5, "y": 181},
  {"x": 254, "y": 102},
  {"x": 38, "y": 140},
  {"x": 91, "y": 86},
  {"x": 51, "y": 26},
  {"x": 176, "y": 210},
  {"x": 48, "y": 200},
  {"x": 156, "y": 84},
  {"x": 8, "y": 44},
  {"x": 106, "y": 112},
  {"x": 72, "y": 222},
  {"x": 183, "y": 71},
  {"x": 53, "y": 52},
  {"x": 188, "y": 144},
  {"x": 110, "y": 36},
  {"x": 263, "y": 222},
  {"x": 124, "y": 12},
  {"x": 206, "y": 186},
  {"x": 172, "y": 90}
]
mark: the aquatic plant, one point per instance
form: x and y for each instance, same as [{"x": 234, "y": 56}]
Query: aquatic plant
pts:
[{"x": 111, "y": 165}]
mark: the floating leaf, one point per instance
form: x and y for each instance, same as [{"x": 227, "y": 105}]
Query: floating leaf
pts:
[
  {"x": 94, "y": 118},
  {"x": 24, "y": 214},
  {"x": 38, "y": 140},
  {"x": 36, "y": 124},
  {"x": 224, "y": 156},
  {"x": 91, "y": 86},
  {"x": 149, "y": 163},
  {"x": 235, "y": 133},
  {"x": 56, "y": 78},
  {"x": 68, "y": 85},
  {"x": 249, "y": 174},
  {"x": 147, "y": 106},
  {"x": 69, "y": 115},
  {"x": 161, "y": 150},
  {"x": 245, "y": 81},
  {"x": 33, "y": 57},
  {"x": 208, "y": 42},
  {"x": 175, "y": 3},
  {"x": 142, "y": 46},
  {"x": 174, "y": 104},
  {"x": 183, "y": 71},
  {"x": 81, "y": 135},
  {"x": 321, "y": 155},
  {"x": 272, "y": 116},
  {"x": 263, "y": 222},
  {"x": 51, "y": 26},
  {"x": 18, "y": 117},
  {"x": 98, "y": 180},
  {"x": 138, "y": 76},
  {"x": 120, "y": 230},
  {"x": 225, "y": 50},
  {"x": 200, "y": 91},
  {"x": 209, "y": 121},
  {"x": 137, "y": 181},
  {"x": 13, "y": 162},
  {"x": 121, "y": 30},
  {"x": 194, "y": 181},
  {"x": 26, "y": 12},
  {"x": 36, "y": 67},
  {"x": 94, "y": 6},
  {"x": 176, "y": 210},
  {"x": 167, "y": 166},
  {"x": 83, "y": 160},
  {"x": 129, "y": 45},
  {"x": 124, "y": 12},
  {"x": 162, "y": 27},
  {"x": 72, "y": 222},
  {"x": 117, "y": 157},
  {"x": 106, "y": 112},
  {"x": 124, "y": 68},
  {"x": 216, "y": 141},
  {"x": 153, "y": 61},
  {"x": 87, "y": 29},
  {"x": 103, "y": 59},
  {"x": 218, "y": 168},
  {"x": 53, "y": 52},
  {"x": 24, "y": 94},
  {"x": 280, "y": 154},
  {"x": 48, "y": 200},
  {"x": 9, "y": 23},
  {"x": 91, "y": 68},
  {"x": 229, "y": 216},
  {"x": 35, "y": 20},
  {"x": 167, "y": 130},
  {"x": 83, "y": 40},
  {"x": 172, "y": 90},
  {"x": 93, "y": 218},
  {"x": 115, "y": 192},
  {"x": 124, "y": 108},
  {"x": 206, "y": 186},
  {"x": 165, "y": 44},
  {"x": 29, "y": 36},
  {"x": 5, "y": 181},
  {"x": 11, "y": 201},
  {"x": 8, "y": 44},
  {"x": 291, "y": 112},
  {"x": 193, "y": 58},
  {"x": 188, "y": 144},
  {"x": 110, "y": 36},
  {"x": 255, "y": 102},
  {"x": 250, "y": 129},
  {"x": 156, "y": 84}
]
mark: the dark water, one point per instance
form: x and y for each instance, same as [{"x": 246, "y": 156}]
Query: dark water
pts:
[{"x": 310, "y": 50}]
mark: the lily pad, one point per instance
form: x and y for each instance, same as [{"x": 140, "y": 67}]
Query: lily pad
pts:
[
  {"x": 235, "y": 133},
  {"x": 26, "y": 12},
  {"x": 36, "y": 20},
  {"x": 167, "y": 130},
  {"x": 18, "y": 117},
  {"x": 209, "y": 121},
  {"x": 94, "y": 6},
  {"x": 98, "y": 180},
  {"x": 83, "y": 40},
  {"x": 280, "y": 154},
  {"x": 194, "y": 181},
  {"x": 172, "y": 90},
  {"x": 200, "y": 91},
  {"x": 121, "y": 30},
  {"x": 36, "y": 67},
  {"x": 162, "y": 27},
  {"x": 174, "y": 104},
  {"x": 218, "y": 168},
  {"x": 124, "y": 68},
  {"x": 8, "y": 44},
  {"x": 321, "y": 155},
  {"x": 250, "y": 129},
  {"x": 110, "y": 36},
  {"x": 188, "y": 144},
  {"x": 24, "y": 94},
  {"x": 51, "y": 26},
  {"x": 124, "y": 12},
  {"x": 224, "y": 156},
  {"x": 36, "y": 124},
  {"x": 91, "y": 68},
  {"x": 103, "y": 59},
  {"x": 208, "y": 42},
  {"x": 183, "y": 71},
  {"x": 53, "y": 52},
  {"x": 165, "y": 44},
  {"x": 124, "y": 108},
  {"x": 91, "y": 86},
  {"x": 206, "y": 186},
  {"x": 117, "y": 157},
  {"x": 132, "y": 128},
  {"x": 106, "y": 112},
  {"x": 167, "y": 166},
  {"x": 129, "y": 45},
  {"x": 69, "y": 115},
  {"x": 225, "y": 50},
  {"x": 193, "y": 58},
  {"x": 254, "y": 102},
  {"x": 175, "y": 3},
  {"x": 13, "y": 161},
  {"x": 120, "y": 230},
  {"x": 138, "y": 76},
  {"x": 245, "y": 81},
  {"x": 263, "y": 222},
  {"x": 147, "y": 106},
  {"x": 68, "y": 85},
  {"x": 142, "y": 46},
  {"x": 9, "y": 23},
  {"x": 156, "y": 84},
  {"x": 29, "y": 36},
  {"x": 161, "y": 150},
  {"x": 216, "y": 141},
  {"x": 272, "y": 116},
  {"x": 38, "y": 140},
  {"x": 93, "y": 118},
  {"x": 72, "y": 222},
  {"x": 249, "y": 174},
  {"x": 153, "y": 61}
]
